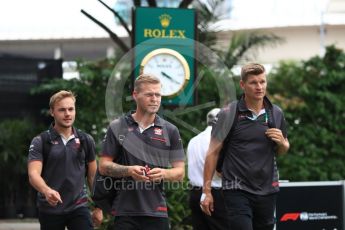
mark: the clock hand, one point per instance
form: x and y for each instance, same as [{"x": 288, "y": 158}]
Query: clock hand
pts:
[{"x": 170, "y": 78}]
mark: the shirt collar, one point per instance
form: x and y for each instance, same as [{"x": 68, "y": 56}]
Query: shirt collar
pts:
[
  {"x": 54, "y": 134},
  {"x": 242, "y": 107},
  {"x": 130, "y": 120}
]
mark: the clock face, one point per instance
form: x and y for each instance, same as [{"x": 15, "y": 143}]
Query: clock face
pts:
[{"x": 170, "y": 67}]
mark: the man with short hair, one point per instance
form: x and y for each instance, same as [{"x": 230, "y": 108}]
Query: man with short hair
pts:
[
  {"x": 196, "y": 154},
  {"x": 57, "y": 166},
  {"x": 144, "y": 152},
  {"x": 249, "y": 171}
]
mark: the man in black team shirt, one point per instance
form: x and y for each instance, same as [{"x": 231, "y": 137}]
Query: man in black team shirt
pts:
[
  {"x": 145, "y": 151},
  {"x": 59, "y": 160},
  {"x": 249, "y": 172}
]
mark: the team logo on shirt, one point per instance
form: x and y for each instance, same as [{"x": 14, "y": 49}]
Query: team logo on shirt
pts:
[
  {"x": 77, "y": 142},
  {"x": 158, "y": 131}
]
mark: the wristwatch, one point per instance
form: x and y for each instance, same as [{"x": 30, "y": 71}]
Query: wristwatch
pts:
[{"x": 170, "y": 67}]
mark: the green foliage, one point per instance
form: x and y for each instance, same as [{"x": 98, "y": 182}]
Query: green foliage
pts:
[
  {"x": 244, "y": 45},
  {"x": 179, "y": 212},
  {"x": 206, "y": 17},
  {"x": 15, "y": 138},
  {"x": 90, "y": 89},
  {"x": 312, "y": 96}
]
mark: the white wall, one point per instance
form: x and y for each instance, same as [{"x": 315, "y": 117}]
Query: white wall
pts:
[{"x": 301, "y": 43}]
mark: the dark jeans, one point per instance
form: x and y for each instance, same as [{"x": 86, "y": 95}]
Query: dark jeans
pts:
[
  {"x": 200, "y": 220},
  {"x": 141, "y": 223},
  {"x": 74, "y": 220},
  {"x": 248, "y": 211}
]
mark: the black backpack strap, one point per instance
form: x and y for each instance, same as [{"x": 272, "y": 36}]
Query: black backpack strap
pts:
[
  {"x": 277, "y": 116},
  {"x": 46, "y": 147},
  {"x": 229, "y": 121},
  {"x": 86, "y": 145}
]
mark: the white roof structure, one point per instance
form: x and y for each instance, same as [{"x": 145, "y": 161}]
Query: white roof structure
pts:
[
  {"x": 251, "y": 14},
  {"x": 42, "y": 19},
  {"x": 57, "y": 29}
]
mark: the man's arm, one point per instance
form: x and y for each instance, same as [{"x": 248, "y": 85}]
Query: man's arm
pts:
[
  {"x": 109, "y": 168},
  {"x": 283, "y": 147},
  {"x": 91, "y": 172},
  {"x": 97, "y": 213},
  {"x": 209, "y": 169},
  {"x": 36, "y": 180}
]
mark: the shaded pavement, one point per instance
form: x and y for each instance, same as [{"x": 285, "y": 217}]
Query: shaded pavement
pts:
[{"x": 19, "y": 224}]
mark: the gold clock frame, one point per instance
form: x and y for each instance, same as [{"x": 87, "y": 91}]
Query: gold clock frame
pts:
[{"x": 178, "y": 56}]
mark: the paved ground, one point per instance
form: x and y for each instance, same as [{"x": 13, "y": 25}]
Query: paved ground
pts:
[{"x": 19, "y": 224}]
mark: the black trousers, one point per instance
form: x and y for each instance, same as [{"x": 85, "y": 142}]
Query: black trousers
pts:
[
  {"x": 200, "y": 220},
  {"x": 248, "y": 211},
  {"x": 74, "y": 220},
  {"x": 140, "y": 223}
]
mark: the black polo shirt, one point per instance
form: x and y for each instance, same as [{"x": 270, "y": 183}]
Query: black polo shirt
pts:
[
  {"x": 63, "y": 171},
  {"x": 157, "y": 146},
  {"x": 250, "y": 156}
]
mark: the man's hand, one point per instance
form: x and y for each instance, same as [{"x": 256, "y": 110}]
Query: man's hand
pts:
[
  {"x": 53, "y": 197},
  {"x": 207, "y": 204},
  {"x": 97, "y": 217},
  {"x": 156, "y": 174},
  {"x": 138, "y": 173},
  {"x": 276, "y": 135}
]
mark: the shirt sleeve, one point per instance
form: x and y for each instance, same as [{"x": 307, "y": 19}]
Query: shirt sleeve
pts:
[
  {"x": 35, "y": 149},
  {"x": 177, "y": 152},
  {"x": 110, "y": 145},
  {"x": 222, "y": 125},
  {"x": 92, "y": 150},
  {"x": 283, "y": 126}
]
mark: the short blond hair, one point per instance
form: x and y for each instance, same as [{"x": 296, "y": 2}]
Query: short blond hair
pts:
[
  {"x": 145, "y": 79},
  {"x": 251, "y": 69},
  {"x": 59, "y": 96}
]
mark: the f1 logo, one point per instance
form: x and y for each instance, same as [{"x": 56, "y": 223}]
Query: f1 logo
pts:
[{"x": 290, "y": 216}]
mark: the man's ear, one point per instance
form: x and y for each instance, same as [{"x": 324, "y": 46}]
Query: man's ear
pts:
[
  {"x": 134, "y": 95},
  {"x": 242, "y": 84},
  {"x": 51, "y": 112}
]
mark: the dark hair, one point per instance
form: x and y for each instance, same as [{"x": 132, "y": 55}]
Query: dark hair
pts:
[{"x": 251, "y": 69}]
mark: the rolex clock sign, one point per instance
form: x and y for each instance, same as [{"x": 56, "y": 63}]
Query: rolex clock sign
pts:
[
  {"x": 164, "y": 46},
  {"x": 170, "y": 66}
]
